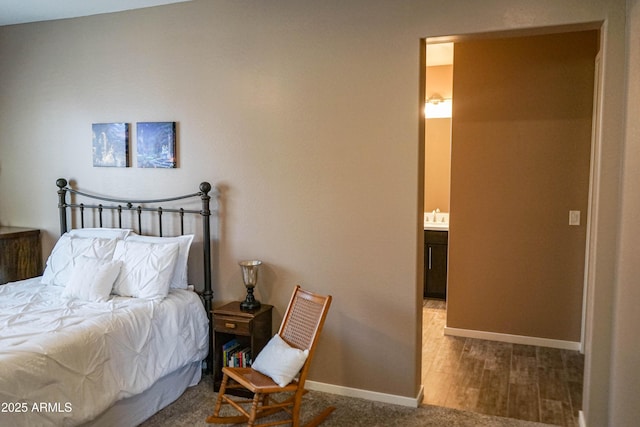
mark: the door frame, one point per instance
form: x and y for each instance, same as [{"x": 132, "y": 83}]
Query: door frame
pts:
[{"x": 594, "y": 172}]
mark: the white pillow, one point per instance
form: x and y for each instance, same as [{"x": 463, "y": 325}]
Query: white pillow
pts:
[
  {"x": 103, "y": 233},
  {"x": 67, "y": 249},
  {"x": 92, "y": 279},
  {"x": 280, "y": 361},
  {"x": 179, "y": 279},
  {"x": 146, "y": 268}
]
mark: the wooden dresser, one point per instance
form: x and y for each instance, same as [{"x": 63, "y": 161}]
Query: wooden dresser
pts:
[{"x": 20, "y": 254}]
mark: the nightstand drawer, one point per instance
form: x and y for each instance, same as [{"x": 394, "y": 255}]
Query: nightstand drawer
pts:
[{"x": 232, "y": 325}]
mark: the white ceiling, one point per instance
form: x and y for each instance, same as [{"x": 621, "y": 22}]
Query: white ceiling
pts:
[
  {"x": 439, "y": 54},
  {"x": 22, "y": 11}
]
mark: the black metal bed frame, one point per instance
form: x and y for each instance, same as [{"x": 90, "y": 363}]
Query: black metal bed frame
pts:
[{"x": 138, "y": 207}]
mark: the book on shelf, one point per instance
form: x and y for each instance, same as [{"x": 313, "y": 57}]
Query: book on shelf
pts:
[
  {"x": 227, "y": 350},
  {"x": 234, "y": 355}
]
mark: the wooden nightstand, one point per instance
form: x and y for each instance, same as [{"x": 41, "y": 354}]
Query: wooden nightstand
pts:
[
  {"x": 252, "y": 329},
  {"x": 20, "y": 254}
]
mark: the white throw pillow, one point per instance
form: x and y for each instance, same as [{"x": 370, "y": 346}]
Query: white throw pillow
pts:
[
  {"x": 92, "y": 279},
  {"x": 65, "y": 252},
  {"x": 280, "y": 361},
  {"x": 146, "y": 268},
  {"x": 102, "y": 233},
  {"x": 179, "y": 279}
]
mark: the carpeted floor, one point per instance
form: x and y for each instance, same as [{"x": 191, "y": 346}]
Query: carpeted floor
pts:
[{"x": 197, "y": 402}]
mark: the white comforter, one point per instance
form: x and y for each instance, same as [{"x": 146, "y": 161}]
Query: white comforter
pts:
[{"x": 64, "y": 362}]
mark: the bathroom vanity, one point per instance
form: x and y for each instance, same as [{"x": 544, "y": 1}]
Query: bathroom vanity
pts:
[{"x": 435, "y": 262}]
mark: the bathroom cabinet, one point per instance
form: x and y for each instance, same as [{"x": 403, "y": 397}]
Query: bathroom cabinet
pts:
[{"x": 435, "y": 264}]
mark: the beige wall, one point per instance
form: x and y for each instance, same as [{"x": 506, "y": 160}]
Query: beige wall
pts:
[
  {"x": 306, "y": 114},
  {"x": 437, "y": 171},
  {"x": 278, "y": 105},
  {"x": 521, "y": 144},
  {"x": 439, "y": 79}
]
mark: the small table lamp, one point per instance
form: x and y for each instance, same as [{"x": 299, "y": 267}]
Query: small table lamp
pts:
[{"x": 250, "y": 279}]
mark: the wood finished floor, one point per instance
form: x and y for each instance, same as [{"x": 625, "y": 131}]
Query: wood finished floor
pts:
[{"x": 509, "y": 380}]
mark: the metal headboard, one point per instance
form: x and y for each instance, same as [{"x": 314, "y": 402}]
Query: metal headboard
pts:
[{"x": 119, "y": 206}]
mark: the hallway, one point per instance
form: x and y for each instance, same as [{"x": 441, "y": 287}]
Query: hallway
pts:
[{"x": 510, "y": 380}]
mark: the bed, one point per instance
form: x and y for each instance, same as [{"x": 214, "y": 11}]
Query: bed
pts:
[{"x": 112, "y": 331}]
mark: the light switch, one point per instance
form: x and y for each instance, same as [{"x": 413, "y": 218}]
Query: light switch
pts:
[{"x": 574, "y": 217}]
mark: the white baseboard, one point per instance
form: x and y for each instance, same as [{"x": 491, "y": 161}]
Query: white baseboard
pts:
[
  {"x": 513, "y": 339},
  {"x": 581, "y": 421},
  {"x": 413, "y": 402}
]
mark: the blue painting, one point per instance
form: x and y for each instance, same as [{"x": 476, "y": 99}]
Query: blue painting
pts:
[
  {"x": 156, "y": 144},
  {"x": 110, "y": 144}
]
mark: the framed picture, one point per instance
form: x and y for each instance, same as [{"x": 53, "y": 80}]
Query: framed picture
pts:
[
  {"x": 156, "y": 144},
  {"x": 110, "y": 145}
]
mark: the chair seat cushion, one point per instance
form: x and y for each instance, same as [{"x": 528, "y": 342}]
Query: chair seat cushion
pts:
[{"x": 279, "y": 361}]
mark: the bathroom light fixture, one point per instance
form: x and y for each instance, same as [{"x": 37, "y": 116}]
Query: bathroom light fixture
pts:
[{"x": 437, "y": 107}]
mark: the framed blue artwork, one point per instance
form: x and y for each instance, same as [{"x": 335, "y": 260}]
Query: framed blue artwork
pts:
[
  {"x": 156, "y": 144},
  {"x": 110, "y": 145}
]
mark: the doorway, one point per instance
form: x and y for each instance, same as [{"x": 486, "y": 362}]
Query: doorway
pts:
[{"x": 510, "y": 192}]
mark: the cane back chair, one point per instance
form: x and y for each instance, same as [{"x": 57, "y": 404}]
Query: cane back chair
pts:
[{"x": 300, "y": 328}]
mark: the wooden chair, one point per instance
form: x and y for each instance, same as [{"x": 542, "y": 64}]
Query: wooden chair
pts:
[{"x": 300, "y": 329}]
